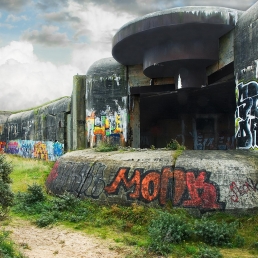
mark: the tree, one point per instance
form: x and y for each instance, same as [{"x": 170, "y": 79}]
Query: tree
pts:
[{"x": 6, "y": 194}]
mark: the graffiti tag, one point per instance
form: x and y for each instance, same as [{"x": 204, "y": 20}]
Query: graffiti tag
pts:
[
  {"x": 190, "y": 188},
  {"x": 236, "y": 191}
]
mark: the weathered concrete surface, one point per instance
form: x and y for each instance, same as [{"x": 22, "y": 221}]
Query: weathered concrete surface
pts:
[
  {"x": 106, "y": 102},
  {"x": 246, "y": 71},
  {"x": 203, "y": 180},
  {"x": 39, "y": 133},
  {"x": 234, "y": 173}
]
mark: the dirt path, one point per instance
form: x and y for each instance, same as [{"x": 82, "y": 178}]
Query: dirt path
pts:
[{"x": 58, "y": 242}]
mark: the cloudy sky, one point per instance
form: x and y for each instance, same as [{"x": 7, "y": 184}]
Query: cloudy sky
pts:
[{"x": 43, "y": 43}]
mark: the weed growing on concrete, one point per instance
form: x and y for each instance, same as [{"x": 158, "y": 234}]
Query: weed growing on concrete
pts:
[
  {"x": 174, "y": 145},
  {"x": 106, "y": 146}
]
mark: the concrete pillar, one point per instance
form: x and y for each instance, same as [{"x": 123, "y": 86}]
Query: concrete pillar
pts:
[
  {"x": 135, "y": 121},
  {"x": 246, "y": 72},
  {"x": 78, "y": 112}
]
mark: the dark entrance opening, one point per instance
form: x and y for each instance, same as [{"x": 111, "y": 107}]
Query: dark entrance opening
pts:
[{"x": 200, "y": 118}]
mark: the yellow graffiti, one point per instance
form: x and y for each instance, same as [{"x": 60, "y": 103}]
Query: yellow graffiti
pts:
[{"x": 40, "y": 151}]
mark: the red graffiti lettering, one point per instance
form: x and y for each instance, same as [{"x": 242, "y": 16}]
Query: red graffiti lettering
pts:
[
  {"x": 182, "y": 187},
  {"x": 150, "y": 186},
  {"x": 207, "y": 199},
  {"x": 53, "y": 174},
  {"x": 122, "y": 178},
  {"x": 166, "y": 175},
  {"x": 248, "y": 186}
]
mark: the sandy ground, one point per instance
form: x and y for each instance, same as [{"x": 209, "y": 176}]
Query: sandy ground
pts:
[{"x": 58, "y": 242}]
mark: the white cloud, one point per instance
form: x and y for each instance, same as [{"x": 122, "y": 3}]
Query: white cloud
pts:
[
  {"x": 14, "y": 18},
  {"x": 26, "y": 82},
  {"x": 48, "y": 36},
  {"x": 98, "y": 26}
]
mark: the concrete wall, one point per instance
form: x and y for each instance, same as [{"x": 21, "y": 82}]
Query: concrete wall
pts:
[
  {"x": 246, "y": 72},
  {"x": 106, "y": 103},
  {"x": 202, "y": 180},
  {"x": 78, "y": 113},
  {"x": 38, "y": 133}
]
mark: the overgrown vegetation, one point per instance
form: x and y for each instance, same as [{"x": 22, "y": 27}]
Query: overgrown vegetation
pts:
[
  {"x": 7, "y": 247},
  {"x": 106, "y": 146},
  {"x": 152, "y": 231},
  {"x": 6, "y": 195}
]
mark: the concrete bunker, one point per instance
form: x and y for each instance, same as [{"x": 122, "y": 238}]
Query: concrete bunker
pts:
[{"x": 190, "y": 95}]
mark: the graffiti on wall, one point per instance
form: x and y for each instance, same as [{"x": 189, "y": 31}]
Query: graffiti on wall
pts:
[
  {"x": 246, "y": 117},
  {"x": 108, "y": 123},
  {"x": 83, "y": 180},
  {"x": 225, "y": 142},
  {"x": 184, "y": 188},
  {"x": 191, "y": 189},
  {"x": 12, "y": 130},
  {"x": 47, "y": 150},
  {"x": 2, "y": 147},
  {"x": 237, "y": 190}
]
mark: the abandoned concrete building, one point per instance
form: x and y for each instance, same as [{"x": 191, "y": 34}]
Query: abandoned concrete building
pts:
[{"x": 187, "y": 73}]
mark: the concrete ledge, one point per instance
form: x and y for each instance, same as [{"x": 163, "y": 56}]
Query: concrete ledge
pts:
[{"x": 202, "y": 180}]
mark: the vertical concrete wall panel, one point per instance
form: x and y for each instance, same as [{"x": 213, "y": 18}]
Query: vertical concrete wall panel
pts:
[
  {"x": 106, "y": 103},
  {"x": 246, "y": 72}
]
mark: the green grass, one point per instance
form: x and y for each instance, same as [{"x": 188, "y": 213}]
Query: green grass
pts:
[
  {"x": 7, "y": 247},
  {"x": 27, "y": 172},
  {"x": 128, "y": 226}
]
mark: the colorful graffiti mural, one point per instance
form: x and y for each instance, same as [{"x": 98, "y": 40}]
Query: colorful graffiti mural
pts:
[
  {"x": 47, "y": 150},
  {"x": 112, "y": 124},
  {"x": 2, "y": 147},
  {"x": 246, "y": 117}
]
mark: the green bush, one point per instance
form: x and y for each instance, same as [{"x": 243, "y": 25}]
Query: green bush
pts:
[
  {"x": 208, "y": 252},
  {"x": 6, "y": 195},
  {"x": 167, "y": 229},
  {"x": 215, "y": 233},
  {"x": 65, "y": 202},
  {"x": 33, "y": 195},
  {"x": 45, "y": 220}
]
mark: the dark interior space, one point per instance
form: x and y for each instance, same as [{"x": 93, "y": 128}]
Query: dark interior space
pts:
[{"x": 186, "y": 113}]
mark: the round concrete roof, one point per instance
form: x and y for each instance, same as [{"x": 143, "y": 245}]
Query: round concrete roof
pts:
[
  {"x": 162, "y": 40},
  {"x": 103, "y": 66}
]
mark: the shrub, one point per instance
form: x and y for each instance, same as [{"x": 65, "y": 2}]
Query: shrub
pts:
[
  {"x": 45, "y": 220},
  {"x": 33, "y": 196},
  {"x": 214, "y": 233},
  {"x": 167, "y": 229},
  {"x": 6, "y": 195},
  {"x": 65, "y": 202},
  {"x": 208, "y": 252}
]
